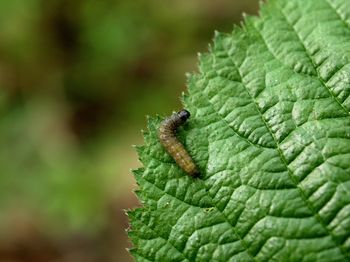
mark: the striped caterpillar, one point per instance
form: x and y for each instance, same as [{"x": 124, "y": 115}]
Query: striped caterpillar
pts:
[{"x": 167, "y": 137}]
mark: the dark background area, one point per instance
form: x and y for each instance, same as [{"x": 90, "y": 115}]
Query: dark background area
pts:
[{"x": 76, "y": 81}]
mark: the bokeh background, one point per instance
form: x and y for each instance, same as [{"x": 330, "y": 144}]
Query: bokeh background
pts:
[{"x": 76, "y": 81}]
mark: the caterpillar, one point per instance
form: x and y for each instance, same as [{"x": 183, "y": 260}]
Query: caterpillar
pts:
[{"x": 167, "y": 137}]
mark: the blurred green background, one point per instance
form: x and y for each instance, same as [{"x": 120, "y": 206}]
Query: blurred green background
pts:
[{"x": 76, "y": 81}]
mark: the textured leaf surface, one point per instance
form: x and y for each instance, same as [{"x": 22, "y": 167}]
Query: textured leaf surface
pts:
[{"x": 270, "y": 131}]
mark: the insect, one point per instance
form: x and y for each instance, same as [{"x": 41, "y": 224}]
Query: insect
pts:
[{"x": 167, "y": 136}]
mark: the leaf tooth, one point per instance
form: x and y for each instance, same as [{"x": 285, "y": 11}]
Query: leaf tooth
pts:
[
  {"x": 205, "y": 63},
  {"x": 139, "y": 183},
  {"x": 210, "y": 48},
  {"x": 192, "y": 78},
  {"x": 184, "y": 99},
  {"x": 136, "y": 214},
  {"x": 261, "y": 4},
  {"x": 140, "y": 149},
  {"x": 192, "y": 84},
  {"x": 189, "y": 82},
  {"x": 132, "y": 233},
  {"x": 141, "y": 197},
  {"x": 149, "y": 137},
  {"x": 138, "y": 171},
  {"x": 263, "y": 7},
  {"x": 153, "y": 123},
  {"x": 216, "y": 33},
  {"x": 143, "y": 154},
  {"x": 133, "y": 250},
  {"x": 188, "y": 75},
  {"x": 148, "y": 119},
  {"x": 235, "y": 27},
  {"x": 128, "y": 211},
  {"x": 218, "y": 36},
  {"x": 144, "y": 132},
  {"x": 131, "y": 214},
  {"x": 158, "y": 118},
  {"x": 249, "y": 20}
]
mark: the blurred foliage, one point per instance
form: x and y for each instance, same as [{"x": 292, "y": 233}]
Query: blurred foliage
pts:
[{"x": 76, "y": 81}]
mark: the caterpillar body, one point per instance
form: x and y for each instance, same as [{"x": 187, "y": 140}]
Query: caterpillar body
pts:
[{"x": 167, "y": 137}]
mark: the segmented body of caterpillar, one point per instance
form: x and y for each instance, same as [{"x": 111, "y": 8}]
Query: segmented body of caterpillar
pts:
[{"x": 167, "y": 136}]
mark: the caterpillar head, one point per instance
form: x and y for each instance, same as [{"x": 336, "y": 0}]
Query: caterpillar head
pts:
[{"x": 184, "y": 115}]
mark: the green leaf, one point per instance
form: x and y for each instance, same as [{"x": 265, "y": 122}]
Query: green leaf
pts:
[{"x": 270, "y": 131}]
